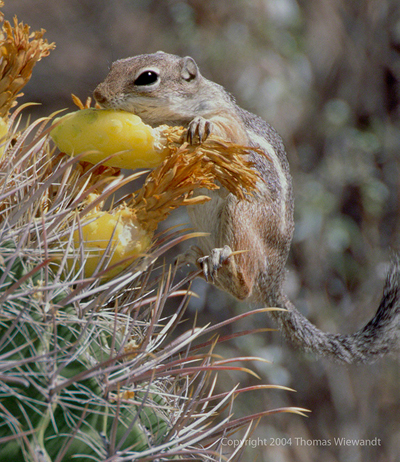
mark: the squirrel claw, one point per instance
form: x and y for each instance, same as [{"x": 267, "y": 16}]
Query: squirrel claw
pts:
[
  {"x": 199, "y": 128},
  {"x": 211, "y": 264}
]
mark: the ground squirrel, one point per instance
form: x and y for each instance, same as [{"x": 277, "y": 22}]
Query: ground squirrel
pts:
[{"x": 166, "y": 89}]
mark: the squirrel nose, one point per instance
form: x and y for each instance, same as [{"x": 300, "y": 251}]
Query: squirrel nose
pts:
[{"x": 99, "y": 96}]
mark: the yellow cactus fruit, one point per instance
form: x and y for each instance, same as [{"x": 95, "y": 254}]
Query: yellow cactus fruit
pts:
[
  {"x": 3, "y": 133},
  {"x": 128, "y": 240},
  {"x": 102, "y": 132}
]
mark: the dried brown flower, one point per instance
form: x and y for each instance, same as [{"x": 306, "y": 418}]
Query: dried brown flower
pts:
[
  {"x": 187, "y": 168},
  {"x": 20, "y": 50}
]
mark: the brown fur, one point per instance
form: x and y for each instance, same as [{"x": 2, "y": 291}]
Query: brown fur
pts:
[{"x": 263, "y": 226}]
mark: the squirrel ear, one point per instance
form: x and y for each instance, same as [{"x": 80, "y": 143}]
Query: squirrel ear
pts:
[{"x": 189, "y": 68}]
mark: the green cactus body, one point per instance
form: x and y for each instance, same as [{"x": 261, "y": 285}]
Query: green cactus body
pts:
[{"x": 49, "y": 351}]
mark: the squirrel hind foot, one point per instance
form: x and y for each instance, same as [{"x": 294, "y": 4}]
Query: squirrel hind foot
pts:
[{"x": 211, "y": 264}]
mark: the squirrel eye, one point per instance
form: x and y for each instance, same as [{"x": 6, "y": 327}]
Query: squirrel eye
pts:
[{"x": 146, "y": 78}]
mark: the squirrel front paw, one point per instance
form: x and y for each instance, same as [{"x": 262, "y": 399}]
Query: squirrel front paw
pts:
[
  {"x": 199, "y": 130},
  {"x": 211, "y": 264}
]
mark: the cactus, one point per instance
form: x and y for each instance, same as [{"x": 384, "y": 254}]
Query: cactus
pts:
[{"x": 90, "y": 368}]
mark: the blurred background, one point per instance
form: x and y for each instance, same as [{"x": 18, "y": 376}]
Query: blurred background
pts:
[{"x": 326, "y": 75}]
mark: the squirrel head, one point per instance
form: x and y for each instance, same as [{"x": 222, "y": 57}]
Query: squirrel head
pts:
[{"x": 158, "y": 87}]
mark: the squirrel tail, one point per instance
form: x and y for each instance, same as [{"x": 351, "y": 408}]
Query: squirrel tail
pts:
[{"x": 380, "y": 336}]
